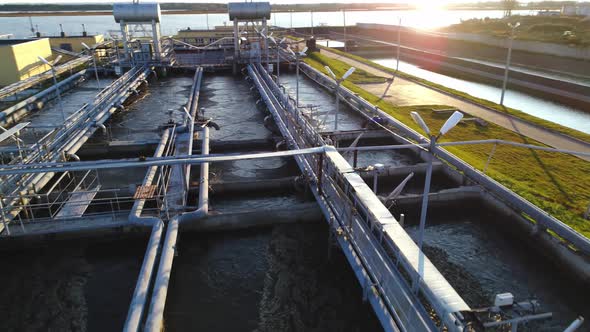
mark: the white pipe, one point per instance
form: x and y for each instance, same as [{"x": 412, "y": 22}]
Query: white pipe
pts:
[
  {"x": 204, "y": 183},
  {"x": 155, "y": 317},
  {"x": 163, "y": 161},
  {"x": 103, "y": 127},
  {"x": 135, "y": 214},
  {"x": 156, "y": 313},
  {"x": 575, "y": 324},
  {"x": 137, "y": 307},
  {"x": 8, "y": 111},
  {"x": 138, "y": 302},
  {"x": 73, "y": 156}
]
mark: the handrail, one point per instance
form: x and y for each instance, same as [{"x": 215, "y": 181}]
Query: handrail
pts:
[
  {"x": 544, "y": 219},
  {"x": 291, "y": 127}
]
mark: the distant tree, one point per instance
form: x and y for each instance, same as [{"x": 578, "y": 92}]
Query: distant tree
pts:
[{"x": 509, "y": 5}]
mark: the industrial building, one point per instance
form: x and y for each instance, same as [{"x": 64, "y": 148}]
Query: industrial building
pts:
[
  {"x": 19, "y": 59},
  {"x": 201, "y": 38},
  {"x": 74, "y": 43}
]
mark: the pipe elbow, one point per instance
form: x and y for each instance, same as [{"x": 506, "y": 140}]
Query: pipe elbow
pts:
[
  {"x": 136, "y": 220},
  {"x": 73, "y": 156},
  {"x": 193, "y": 216}
]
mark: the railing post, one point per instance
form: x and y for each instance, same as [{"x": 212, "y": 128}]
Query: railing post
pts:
[{"x": 320, "y": 173}]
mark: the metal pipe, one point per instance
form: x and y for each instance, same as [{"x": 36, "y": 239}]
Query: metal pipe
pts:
[
  {"x": 575, "y": 324},
  {"x": 73, "y": 156},
  {"x": 135, "y": 214},
  {"x": 423, "y": 211},
  {"x": 297, "y": 81},
  {"x": 203, "y": 204},
  {"x": 508, "y": 58},
  {"x": 6, "y": 112},
  {"x": 156, "y": 313},
  {"x": 130, "y": 163},
  {"x": 204, "y": 182},
  {"x": 138, "y": 301},
  {"x": 338, "y": 82},
  {"x": 155, "y": 317}
]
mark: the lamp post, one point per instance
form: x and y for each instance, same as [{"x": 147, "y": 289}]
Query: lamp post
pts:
[
  {"x": 399, "y": 43},
  {"x": 278, "y": 45},
  {"x": 311, "y": 22},
  {"x": 338, "y": 83},
  {"x": 263, "y": 35},
  {"x": 449, "y": 124},
  {"x": 344, "y": 27},
  {"x": 508, "y": 58},
  {"x": 298, "y": 56},
  {"x": 51, "y": 64},
  {"x": 91, "y": 51}
]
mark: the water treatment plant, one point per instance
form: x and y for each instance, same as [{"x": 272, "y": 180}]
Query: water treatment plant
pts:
[{"x": 245, "y": 177}]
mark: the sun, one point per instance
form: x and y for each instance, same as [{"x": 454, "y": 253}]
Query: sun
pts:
[{"x": 427, "y": 5}]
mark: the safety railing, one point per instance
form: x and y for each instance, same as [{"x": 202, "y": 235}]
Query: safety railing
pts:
[
  {"x": 387, "y": 267},
  {"x": 38, "y": 79},
  {"x": 66, "y": 139},
  {"x": 543, "y": 220}
]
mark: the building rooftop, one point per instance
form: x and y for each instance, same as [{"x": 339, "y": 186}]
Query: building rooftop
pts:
[{"x": 10, "y": 42}]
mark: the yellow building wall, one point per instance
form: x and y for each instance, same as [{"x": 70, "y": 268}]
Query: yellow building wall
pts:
[
  {"x": 26, "y": 57},
  {"x": 203, "y": 37},
  {"x": 75, "y": 42},
  {"x": 8, "y": 72},
  {"x": 20, "y": 61}
]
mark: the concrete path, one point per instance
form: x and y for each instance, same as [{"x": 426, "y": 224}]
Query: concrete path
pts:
[{"x": 404, "y": 92}]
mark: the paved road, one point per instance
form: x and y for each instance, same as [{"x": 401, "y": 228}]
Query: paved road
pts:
[{"x": 404, "y": 92}]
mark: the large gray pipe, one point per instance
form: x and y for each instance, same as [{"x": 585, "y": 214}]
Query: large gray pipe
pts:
[
  {"x": 135, "y": 215},
  {"x": 5, "y": 114},
  {"x": 156, "y": 313},
  {"x": 137, "y": 307}
]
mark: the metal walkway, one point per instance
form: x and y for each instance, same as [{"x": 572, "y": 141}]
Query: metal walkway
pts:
[
  {"x": 38, "y": 79},
  {"x": 63, "y": 142},
  {"x": 383, "y": 256}
]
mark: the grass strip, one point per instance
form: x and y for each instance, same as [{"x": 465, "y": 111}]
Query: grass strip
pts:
[
  {"x": 479, "y": 101},
  {"x": 556, "y": 183}
]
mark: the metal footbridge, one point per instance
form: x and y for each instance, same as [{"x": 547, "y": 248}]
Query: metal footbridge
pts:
[
  {"x": 383, "y": 256},
  {"x": 61, "y": 143}
]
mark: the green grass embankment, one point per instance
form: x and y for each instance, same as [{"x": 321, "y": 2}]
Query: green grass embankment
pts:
[
  {"x": 569, "y": 30},
  {"x": 483, "y": 102},
  {"x": 556, "y": 183}
]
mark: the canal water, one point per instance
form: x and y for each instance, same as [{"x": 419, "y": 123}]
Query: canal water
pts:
[{"x": 542, "y": 108}]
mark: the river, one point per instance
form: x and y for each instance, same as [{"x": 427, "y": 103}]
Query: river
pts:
[
  {"x": 20, "y": 27},
  {"x": 542, "y": 108}
]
